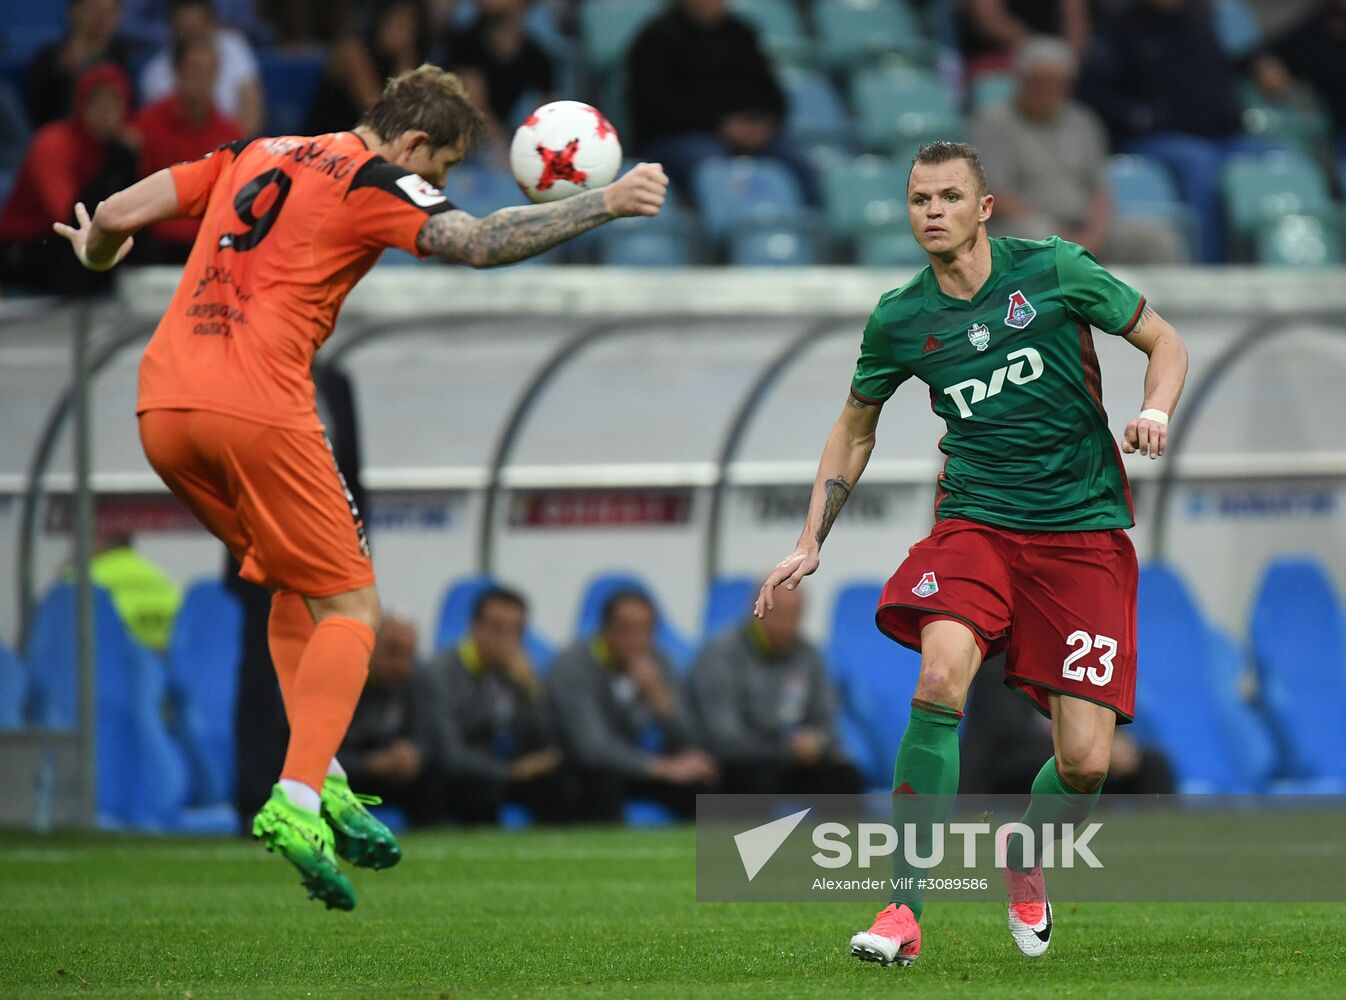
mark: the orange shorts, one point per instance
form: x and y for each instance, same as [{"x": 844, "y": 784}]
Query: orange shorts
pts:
[{"x": 274, "y": 497}]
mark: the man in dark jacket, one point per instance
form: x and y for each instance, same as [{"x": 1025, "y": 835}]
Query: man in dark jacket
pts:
[
  {"x": 766, "y": 708},
  {"x": 700, "y": 87},
  {"x": 497, "y": 742},
  {"x": 622, "y": 718}
]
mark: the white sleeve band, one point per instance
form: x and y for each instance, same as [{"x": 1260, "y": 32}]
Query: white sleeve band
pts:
[{"x": 1158, "y": 416}]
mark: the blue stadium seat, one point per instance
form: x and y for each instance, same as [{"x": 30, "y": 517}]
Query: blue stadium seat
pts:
[
  {"x": 1181, "y": 697},
  {"x": 1298, "y": 241},
  {"x": 289, "y": 81},
  {"x": 1236, "y": 27},
  {"x": 668, "y": 640},
  {"x": 1299, "y": 642},
  {"x": 1249, "y": 743},
  {"x": 745, "y": 191},
  {"x": 663, "y": 241},
  {"x": 480, "y": 190},
  {"x": 142, "y": 780},
  {"x": 204, "y": 654},
  {"x": 778, "y": 244},
  {"x": 991, "y": 89},
  {"x": 780, "y": 31},
  {"x": 455, "y": 615},
  {"x": 897, "y": 108},
  {"x": 852, "y": 186},
  {"x": 26, "y": 26},
  {"x": 1142, "y": 187},
  {"x": 1258, "y": 189},
  {"x": 13, "y": 690},
  {"x": 852, "y": 32},
  {"x": 608, "y": 27},
  {"x": 817, "y": 115},
  {"x": 14, "y": 131},
  {"x": 875, "y": 678},
  {"x": 727, "y": 603},
  {"x": 889, "y": 245}
]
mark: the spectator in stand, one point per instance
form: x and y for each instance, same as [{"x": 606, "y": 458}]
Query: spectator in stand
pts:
[
  {"x": 498, "y": 741},
  {"x": 304, "y": 23},
  {"x": 993, "y": 30},
  {"x": 766, "y": 708},
  {"x": 145, "y": 22},
  {"x": 84, "y": 158},
  {"x": 394, "y": 736},
  {"x": 621, "y": 717},
  {"x": 92, "y": 41},
  {"x": 1314, "y": 50},
  {"x": 238, "y": 87},
  {"x": 1005, "y": 740},
  {"x": 1046, "y": 159},
  {"x": 700, "y": 87},
  {"x": 184, "y": 126},
  {"x": 500, "y": 63},
  {"x": 398, "y": 40},
  {"x": 1167, "y": 90},
  {"x": 146, "y": 598}
]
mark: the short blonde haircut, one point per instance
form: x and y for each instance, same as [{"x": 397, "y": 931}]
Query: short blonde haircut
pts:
[{"x": 430, "y": 100}]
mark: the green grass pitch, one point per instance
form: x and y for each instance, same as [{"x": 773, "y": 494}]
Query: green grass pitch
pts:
[{"x": 589, "y": 913}]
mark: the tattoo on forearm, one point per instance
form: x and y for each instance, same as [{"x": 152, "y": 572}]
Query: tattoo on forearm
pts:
[
  {"x": 1145, "y": 316},
  {"x": 856, "y": 403},
  {"x": 512, "y": 233},
  {"x": 837, "y": 492}
]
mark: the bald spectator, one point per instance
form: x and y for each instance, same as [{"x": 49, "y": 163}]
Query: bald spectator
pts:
[
  {"x": 238, "y": 85},
  {"x": 766, "y": 708},
  {"x": 993, "y": 30},
  {"x": 186, "y": 125},
  {"x": 93, "y": 40},
  {"x": 1046, "y": 160},
  {"x": 393, "y": 739},
  {"x": 622, "y": 718}
]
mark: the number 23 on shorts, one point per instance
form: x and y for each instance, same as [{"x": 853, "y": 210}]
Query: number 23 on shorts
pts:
[{"x": 1081, "y": 644}]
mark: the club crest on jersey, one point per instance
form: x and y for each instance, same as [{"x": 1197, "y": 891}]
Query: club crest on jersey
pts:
[
  {"x": 1021, "y": 311},
  {"x": 980, "y": 336},
  {"x": 928, "y": 585}
]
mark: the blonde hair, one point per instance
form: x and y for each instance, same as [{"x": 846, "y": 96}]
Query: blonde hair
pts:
[{"x": 430, "y": 100}]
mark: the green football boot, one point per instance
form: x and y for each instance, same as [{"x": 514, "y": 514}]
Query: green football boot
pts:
[
  {"x": 360, "y": 837},
  {"x": 304, "y": 839}
]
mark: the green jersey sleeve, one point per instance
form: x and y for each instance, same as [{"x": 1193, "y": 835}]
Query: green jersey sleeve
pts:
[
  {"x": 1093, "y": 294},
  {"x": 877, "y": 372}
]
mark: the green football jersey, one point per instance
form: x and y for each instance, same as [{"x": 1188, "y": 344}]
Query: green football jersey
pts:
[{"x": 1014, "y": 375}]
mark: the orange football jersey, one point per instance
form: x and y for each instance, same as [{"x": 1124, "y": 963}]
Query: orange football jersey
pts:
[{"x": 289, "y": 225}]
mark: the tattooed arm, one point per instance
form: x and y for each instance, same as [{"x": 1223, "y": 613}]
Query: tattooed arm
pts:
[
  {"x": 1164, "y": 378},
  {"x": 844, "y": 459},
  {"x": 517, "y": 233}
]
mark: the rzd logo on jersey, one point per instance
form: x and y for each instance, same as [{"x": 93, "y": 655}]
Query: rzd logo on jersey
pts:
[{"x": 1027, "y": 368}]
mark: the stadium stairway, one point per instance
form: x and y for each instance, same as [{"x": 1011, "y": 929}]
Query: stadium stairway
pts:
[{"x": 1299, "y": 643}]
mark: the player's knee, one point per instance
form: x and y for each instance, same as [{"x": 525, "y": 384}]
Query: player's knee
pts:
[
  {"x": 358, "y": 605},
  {"x": 944, "y": 680},
  {"x": 1085, "y": 770}
]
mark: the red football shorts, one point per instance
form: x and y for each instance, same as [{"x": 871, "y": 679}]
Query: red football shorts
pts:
[
  {"x": 273, "y": 496},
  {"x": 1061, "y": 605}
]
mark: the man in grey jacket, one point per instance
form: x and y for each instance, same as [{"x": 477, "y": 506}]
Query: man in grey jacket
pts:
[
  {"x": 497, "y": 740},
  {"x": 622, "y": 718},
  {"x": 765, "y": 707}
]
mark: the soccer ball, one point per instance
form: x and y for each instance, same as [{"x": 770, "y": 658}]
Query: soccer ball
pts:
[{"x": 564, "y": 148}]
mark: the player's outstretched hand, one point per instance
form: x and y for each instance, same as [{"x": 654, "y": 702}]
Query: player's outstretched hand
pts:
[
  {"x": 1149, "y": 437},
  {"x": 78, "y": 235},
  {"x": 789, "y": 572},
  {"x": 641, "y": 191}
]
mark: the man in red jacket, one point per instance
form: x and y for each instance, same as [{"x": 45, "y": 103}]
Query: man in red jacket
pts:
[
  {"x": 86, "y": 158},
  {"x": 183, "y": 126}
]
